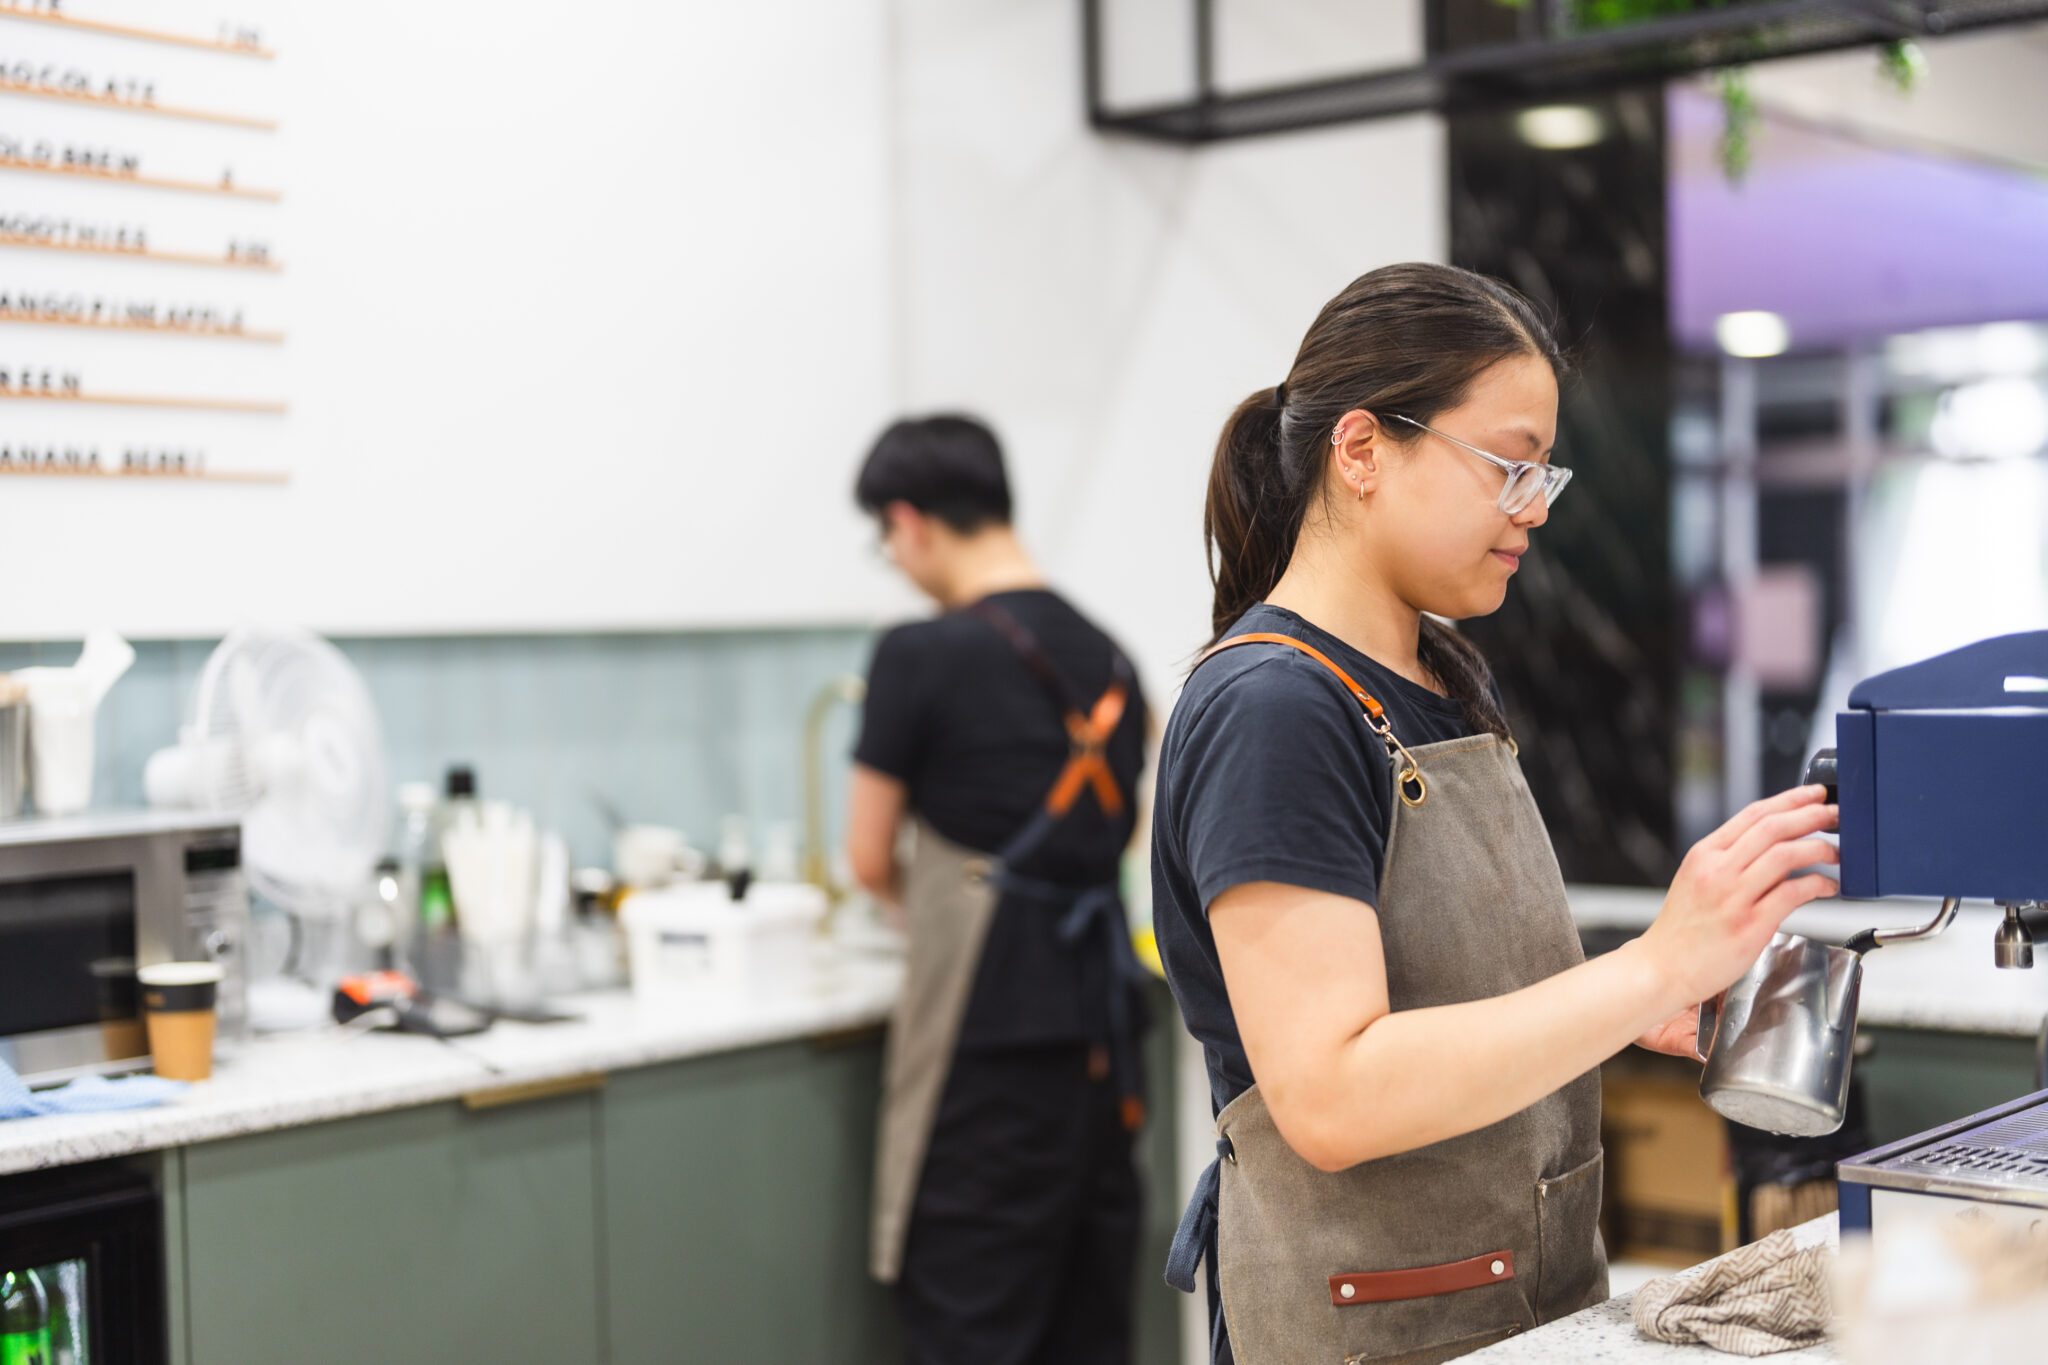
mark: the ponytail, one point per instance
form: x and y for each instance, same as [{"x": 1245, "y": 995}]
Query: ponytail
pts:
[
  {"x": 1407, "y": 339},
  {"x": 1251, "y": 520},
  {"x": 1455, "y": 662}
]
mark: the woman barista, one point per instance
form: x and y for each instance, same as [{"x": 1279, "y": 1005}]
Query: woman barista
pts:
[{"x": 1359, "y": 910}]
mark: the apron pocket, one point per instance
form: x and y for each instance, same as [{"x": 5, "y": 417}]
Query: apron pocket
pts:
[
  {"x": 1426, "y": 1314},
  {"x": 1571, "y": 1265}
]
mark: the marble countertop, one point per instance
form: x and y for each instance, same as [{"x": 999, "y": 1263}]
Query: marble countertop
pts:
[
  {"x": 286, "y": 1080},
  {"x": 1945, "y": 984},
  {"x": 1606, "y": 1332}
]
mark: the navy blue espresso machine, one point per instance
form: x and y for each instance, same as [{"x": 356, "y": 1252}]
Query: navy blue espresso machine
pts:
[{"x": 1941, "y": 771}]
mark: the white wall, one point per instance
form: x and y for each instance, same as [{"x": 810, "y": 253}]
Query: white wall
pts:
[
  {"x": 1106, "y": 303},
  {"x": 589, "y": 322},
  {"x": 1980, "y": 94},
  {"x": 586, "y": 310}
]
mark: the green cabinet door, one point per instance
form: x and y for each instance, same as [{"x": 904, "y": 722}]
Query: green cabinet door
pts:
[
  {"x": 427, "y": 1234},
  {"x": 736, "y": 1207},
  {"x": 736, "y": 1201}
]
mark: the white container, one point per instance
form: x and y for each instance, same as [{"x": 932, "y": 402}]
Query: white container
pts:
[
  {"x": 649, "y": 856},
  {"x": 692, "y": 940},
  {"x": 61, "y": 716}
]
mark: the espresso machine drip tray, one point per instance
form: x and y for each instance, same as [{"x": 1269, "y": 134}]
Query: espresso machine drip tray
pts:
[
  {"x": 1998, "y": 1157},
  {"x": 2010, "y": 1152}
]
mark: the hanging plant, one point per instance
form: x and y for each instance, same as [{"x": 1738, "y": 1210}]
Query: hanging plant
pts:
[
  {"x": 1738, "y": 121},
  {"x": 1899, "y": 62}
]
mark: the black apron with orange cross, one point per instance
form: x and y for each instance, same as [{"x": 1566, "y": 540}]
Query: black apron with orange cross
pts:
[{"x": 950, "y": 895}]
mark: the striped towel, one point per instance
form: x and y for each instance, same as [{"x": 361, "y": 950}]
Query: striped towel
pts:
[{"x": 1765, "y": 1297}]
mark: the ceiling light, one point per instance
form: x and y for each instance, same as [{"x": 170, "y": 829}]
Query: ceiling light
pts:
[
  {"x": 1752, "y": 334},
  {"x": 1560, "y": 127}
]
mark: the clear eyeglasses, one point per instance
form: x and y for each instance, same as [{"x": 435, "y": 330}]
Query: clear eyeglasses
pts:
[{"x": 1526, "y": 478}]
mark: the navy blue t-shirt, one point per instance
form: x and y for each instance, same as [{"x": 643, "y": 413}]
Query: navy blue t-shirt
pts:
[{"x": 1269, "y": 773}]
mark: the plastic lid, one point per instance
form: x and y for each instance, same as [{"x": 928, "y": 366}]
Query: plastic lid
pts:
[
  {"x": 461, "y": 780},
  {"x": 181, "y": 973},
  {"x": 416, "y": 796}
]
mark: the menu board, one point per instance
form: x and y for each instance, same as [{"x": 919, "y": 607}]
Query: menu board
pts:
[
  {"x": 142, "y": 327},
  {"x": 443, "y": 318}
]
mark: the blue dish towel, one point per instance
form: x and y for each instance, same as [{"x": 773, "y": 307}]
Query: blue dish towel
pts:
[{"x": 86, "y": 1095}]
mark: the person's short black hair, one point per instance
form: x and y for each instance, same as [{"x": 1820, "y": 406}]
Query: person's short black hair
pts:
[{"x": 949, "y": 466}]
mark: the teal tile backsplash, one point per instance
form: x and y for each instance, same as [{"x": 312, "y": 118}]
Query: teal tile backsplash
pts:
[{"x": 678, "y": 729}]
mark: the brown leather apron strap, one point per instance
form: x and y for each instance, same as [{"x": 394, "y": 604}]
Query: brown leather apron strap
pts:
[{"x": 1421, "y": 1282}]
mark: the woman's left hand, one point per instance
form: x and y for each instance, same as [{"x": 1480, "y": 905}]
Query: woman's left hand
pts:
[{"x": 1677, "y": 1036}]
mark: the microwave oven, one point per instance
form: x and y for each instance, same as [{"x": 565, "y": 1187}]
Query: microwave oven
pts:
[{"x": 86, "y": 900}]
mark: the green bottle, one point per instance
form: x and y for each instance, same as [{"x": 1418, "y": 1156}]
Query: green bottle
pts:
[
  {"x": 24, "y": 1319},
  {"x": 437, "y": 901},
  {"x": 67, "y": 1342}
]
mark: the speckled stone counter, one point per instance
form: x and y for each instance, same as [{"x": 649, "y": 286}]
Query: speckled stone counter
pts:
[
  {"x": 291, "y": 1080},
  {"x": 1606, "y": 1332},
  {"x": 1946, "y": 984}
]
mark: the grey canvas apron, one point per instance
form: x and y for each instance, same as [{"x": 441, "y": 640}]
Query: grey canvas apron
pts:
[
  {"x": 1430, "y": 1254},
  {"x": 948, "y": 901},
  {"x": 949, "y": 896}
]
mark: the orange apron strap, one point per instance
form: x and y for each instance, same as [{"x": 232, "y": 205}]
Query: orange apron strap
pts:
[
  {"x": 1088, "y": 733},
  {"x": 1365, "y": 698},
  {"x": 1408, "y": 780},
  {"x": 1089, "y": 766}
]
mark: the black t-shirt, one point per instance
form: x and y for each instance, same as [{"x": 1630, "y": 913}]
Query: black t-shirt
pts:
[
  {"x": 978, "y": 740},
  {"x": 1268, "y": 773}
]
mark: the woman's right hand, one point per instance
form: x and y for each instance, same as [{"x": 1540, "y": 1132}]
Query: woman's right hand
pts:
[{"x": 1736, "y": 887}]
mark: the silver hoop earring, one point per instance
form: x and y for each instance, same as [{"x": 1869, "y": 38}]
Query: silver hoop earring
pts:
[{"x": 1337, "y": 437}]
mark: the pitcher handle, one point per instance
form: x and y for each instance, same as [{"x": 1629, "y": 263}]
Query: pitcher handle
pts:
[{"x": 1710, "y": 1015}]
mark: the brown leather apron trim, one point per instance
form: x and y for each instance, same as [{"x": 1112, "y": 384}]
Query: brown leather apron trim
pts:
[{"x": 1421, "y": 1282}]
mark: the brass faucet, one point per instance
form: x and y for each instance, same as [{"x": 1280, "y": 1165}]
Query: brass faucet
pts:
[{"x": 852, "y": 691}]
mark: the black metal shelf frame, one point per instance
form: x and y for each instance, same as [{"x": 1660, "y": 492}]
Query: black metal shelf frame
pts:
[{"x": 1545, "y": 61}]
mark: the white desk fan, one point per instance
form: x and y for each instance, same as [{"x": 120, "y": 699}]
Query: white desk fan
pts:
[{"x": 284, "y": 735}]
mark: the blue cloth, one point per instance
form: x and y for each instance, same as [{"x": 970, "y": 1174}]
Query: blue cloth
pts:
[
  {"x": 1195, "y": 1238},
  {"x": 1194, "y": 1244},
  {"x": 86, "y": 1095}
]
